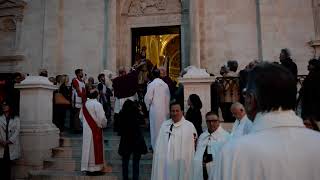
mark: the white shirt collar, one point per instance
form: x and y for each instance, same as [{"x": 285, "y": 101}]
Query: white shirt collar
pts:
[
  {"x": 216, "y": 134},
  {"x": 177, "y": 124},
  {"x": 275, "y": 119}
]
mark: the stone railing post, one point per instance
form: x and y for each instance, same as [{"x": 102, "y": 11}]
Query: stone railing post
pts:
[
  {"x": 38, "y": 135},
  {"x": 197, "y": 81}
]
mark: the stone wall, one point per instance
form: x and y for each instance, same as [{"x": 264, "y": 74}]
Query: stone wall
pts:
[
  {"x": 287, "y": 24},
  {"x": 228, "y": 31},
  {"x": 62, "y": 35},
  {"x": 83, "y": 36},
  {"x": 32, "y": 35}
]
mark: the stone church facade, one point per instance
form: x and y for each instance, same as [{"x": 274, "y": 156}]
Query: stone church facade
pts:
[{"x": 62, "y": 35}]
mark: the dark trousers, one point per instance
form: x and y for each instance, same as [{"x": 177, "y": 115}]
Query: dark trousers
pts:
[
  {"x": 59, "y": 116},
  {"x": 75, "y": 120},
  {"x": 135, "y": 166},
  {"x": 5, "y": 165},
  {"x": 116, "y": 122}
]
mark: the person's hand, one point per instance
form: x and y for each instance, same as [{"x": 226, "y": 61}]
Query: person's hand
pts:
[
  {"x": 9, "y": 142},
  {"x": 195, "y": 138}
]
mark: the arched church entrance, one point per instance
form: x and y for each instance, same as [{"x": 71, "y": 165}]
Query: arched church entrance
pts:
[{"x": 162, "y": 45}]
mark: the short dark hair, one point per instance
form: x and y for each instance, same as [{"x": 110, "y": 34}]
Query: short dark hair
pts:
[
  {"x": 77, "y": 71},
  {"x": 12, "y": 113},
  {"x": 16, "y": 74},
  {"x": 156, "y": 73},
  {"x": 274, "y": 87},
  {"x": 100, "y": 75},
  {"x": 286, "y": 52},
  {"x": 195, "y": 101},
  {"x": 43, "y": 73},
  {"x": 211, "y": 113},
  {"x": 175, "y": 103},
  {"x": 92, "y": 95},
  {"x": 233, "y": 65},
  {"x": 315, "y": 63}
]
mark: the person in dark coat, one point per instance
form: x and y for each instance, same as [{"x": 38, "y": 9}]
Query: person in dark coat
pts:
[
  {"x": 310, "y": 92},
  {"x": 194, "y": 114},
  {"x": 287, "y": 62},
  {"x": 131, "y": 141}
]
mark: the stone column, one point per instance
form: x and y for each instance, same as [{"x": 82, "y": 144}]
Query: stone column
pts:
[
  {"x": 185, "y": 34},
  {"x": 37, "y": 134},
  {"x": 111, "y": 35},
  {"x": 194, "y": 33},
  {"x": 316, "y": 18},
  {"x": 197, "y": 81}
]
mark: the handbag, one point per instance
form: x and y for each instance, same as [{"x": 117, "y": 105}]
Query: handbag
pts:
[{"x": 60, "y": 99}]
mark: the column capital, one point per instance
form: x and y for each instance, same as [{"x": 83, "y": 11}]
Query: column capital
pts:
[{"x": 32, "y": 82}]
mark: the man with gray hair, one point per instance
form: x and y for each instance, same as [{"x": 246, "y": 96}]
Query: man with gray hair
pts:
[
  {"x": 278, "y": 145},
  {"x": 242, "y": 125}
]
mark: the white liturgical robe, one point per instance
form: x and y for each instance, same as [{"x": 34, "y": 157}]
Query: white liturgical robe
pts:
[
  {"x": 157, "y": 100},
  {"x": 241, "y": 127},
  {"x": 96, "y": 111},
  {"x": 172, "y": 158},
  {"x": 213, "y": 142},
  {"x": 278, "y": 147}
]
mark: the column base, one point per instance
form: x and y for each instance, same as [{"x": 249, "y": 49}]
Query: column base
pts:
[{"x": 36, "y": 144}]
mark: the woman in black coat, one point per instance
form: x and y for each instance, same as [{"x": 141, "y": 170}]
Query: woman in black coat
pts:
[
  {"x": 194, "y": 114},
  {"x": 131, "y": 141}
]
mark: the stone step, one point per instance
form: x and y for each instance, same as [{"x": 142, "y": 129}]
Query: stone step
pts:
[
  {"x": 75, "y": 141},
  {"x": 66, "y": 164},
  {"x": 75, "y": 152},
  {"x": 62, "y": 175}
]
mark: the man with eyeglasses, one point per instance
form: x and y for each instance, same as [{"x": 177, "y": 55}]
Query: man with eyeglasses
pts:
[{"x": 208, "y": 147}]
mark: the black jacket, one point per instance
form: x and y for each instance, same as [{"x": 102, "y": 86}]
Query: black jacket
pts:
[
  {"x": 132, "y": 140},
  {"x": 194, "y": 115}
]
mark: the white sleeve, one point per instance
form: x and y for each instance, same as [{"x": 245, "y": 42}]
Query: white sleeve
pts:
[
  {"x": 148, "y": 98},
  {"x": 16, "y": 133},
  {"x": 101, "y": 118}
]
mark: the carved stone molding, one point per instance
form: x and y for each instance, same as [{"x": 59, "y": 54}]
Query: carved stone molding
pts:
[
  {"x": 12, "y": 58},
  {"x": 9, "y": 64},
  {"x": 12, "y": 8},
  {"x": 7, "y": 24},
  {"x": 139, "y": 7}
]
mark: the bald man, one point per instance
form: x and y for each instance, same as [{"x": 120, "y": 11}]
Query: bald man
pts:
[{"x": 242, "y": 125}]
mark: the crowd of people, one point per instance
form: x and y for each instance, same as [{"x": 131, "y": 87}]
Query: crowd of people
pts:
[
  {"x": 261, "y": 101},
  {"x": 268, "y": 140}
]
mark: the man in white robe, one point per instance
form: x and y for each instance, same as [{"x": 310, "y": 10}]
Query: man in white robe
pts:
[
  {"x": 243, "y": 124},
  {"x": 93, "y": 118},
  {"x": 278, "y": 146},
  {"x": 208, "y": 147},
  {"x": 174, "y": 150},
  {"x": 157, "y": 100}
]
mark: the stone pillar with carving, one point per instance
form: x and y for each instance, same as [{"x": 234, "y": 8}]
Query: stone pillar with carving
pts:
[
  {"x": 38, "y": 135},
  {"x": 316, "y": 18},
  {"x": 197, "y": 81}
]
